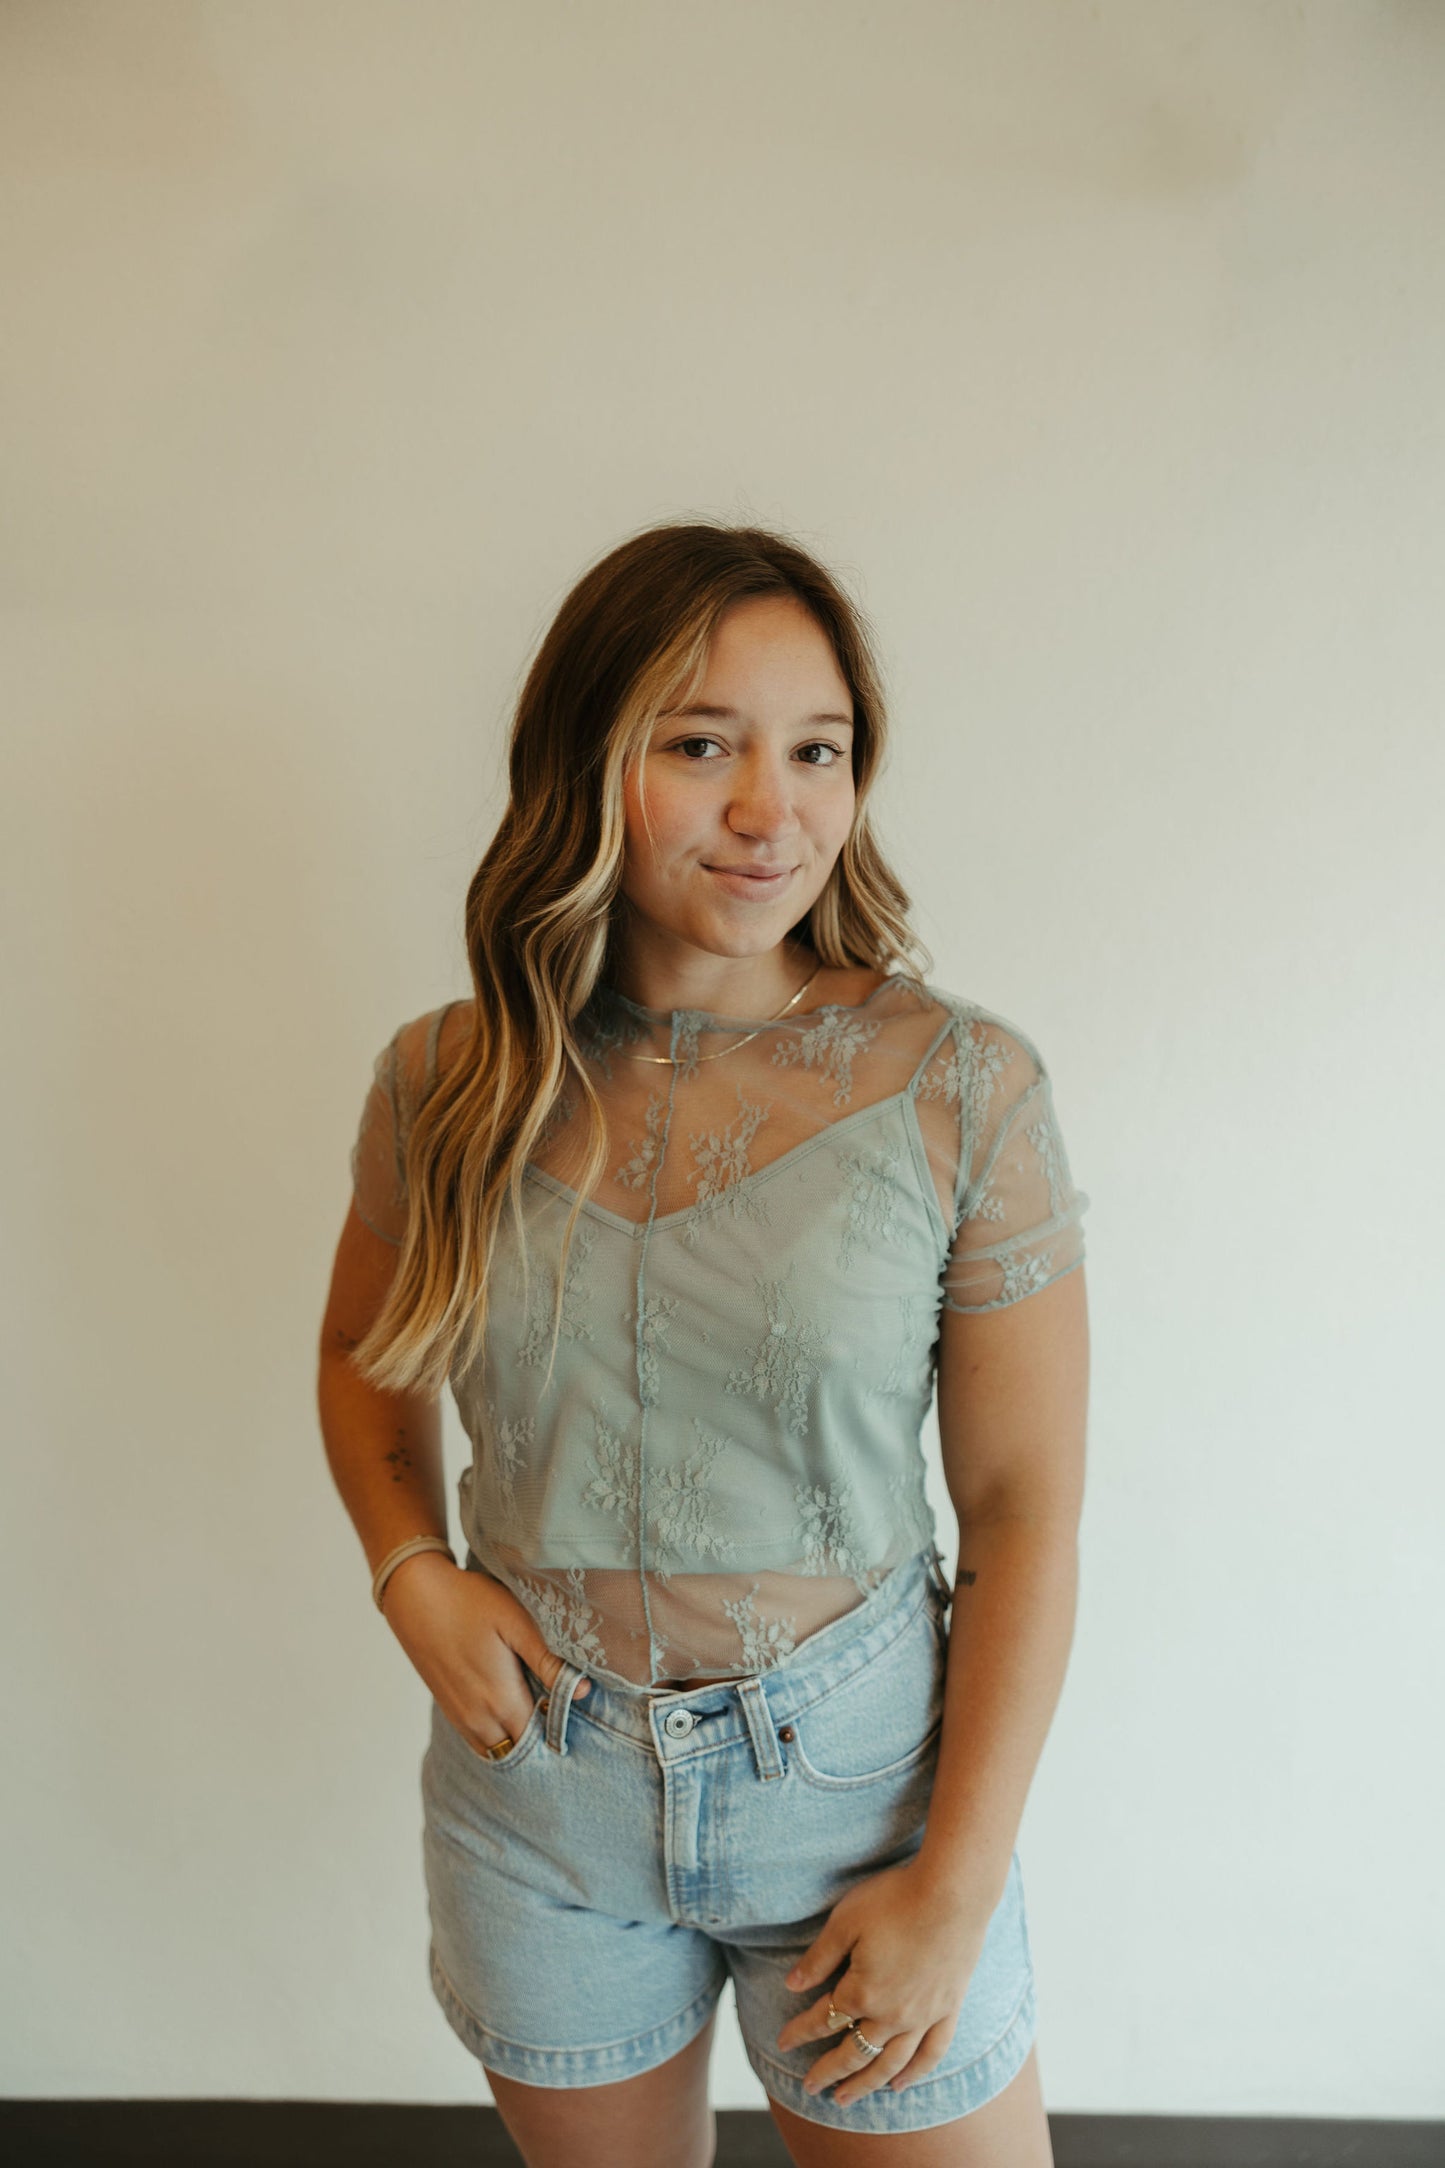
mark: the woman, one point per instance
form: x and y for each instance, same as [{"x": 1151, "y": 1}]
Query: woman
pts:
[{"x": 693, "y": 1204}]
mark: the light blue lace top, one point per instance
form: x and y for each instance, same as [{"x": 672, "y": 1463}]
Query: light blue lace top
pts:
[{"x": 727, "y": 1454}]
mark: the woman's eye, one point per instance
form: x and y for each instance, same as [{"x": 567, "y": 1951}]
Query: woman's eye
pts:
[{"x": 833, "y": 752}]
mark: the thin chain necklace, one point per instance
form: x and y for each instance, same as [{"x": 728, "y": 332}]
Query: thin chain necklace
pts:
[{"x": 672, "y": 1061}]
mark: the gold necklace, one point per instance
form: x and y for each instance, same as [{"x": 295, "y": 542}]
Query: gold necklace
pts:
[{"x": 672, "y": 1061}]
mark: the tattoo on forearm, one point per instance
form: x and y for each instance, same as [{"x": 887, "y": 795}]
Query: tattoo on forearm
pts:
[
  {"x": 966, "y": 1577},
  {"x": 400, "y": 1458}
]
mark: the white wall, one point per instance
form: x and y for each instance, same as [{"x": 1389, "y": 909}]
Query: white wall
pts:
[{"x": 1102, "y": 349}]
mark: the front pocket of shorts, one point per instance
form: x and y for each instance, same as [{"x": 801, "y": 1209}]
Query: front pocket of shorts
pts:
[
  {"x": 881, "y": 1722},
  {"x": 499, "y": 1765}
]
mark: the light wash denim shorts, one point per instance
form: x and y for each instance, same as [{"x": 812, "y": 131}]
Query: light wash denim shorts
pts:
[{"x": 591, "y": 1892}]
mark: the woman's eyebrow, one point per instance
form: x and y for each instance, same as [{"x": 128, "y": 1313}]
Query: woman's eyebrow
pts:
[{"x": 732, "y": 715}]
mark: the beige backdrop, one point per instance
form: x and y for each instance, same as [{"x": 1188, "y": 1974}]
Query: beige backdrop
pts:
[{"x": 1101, "y": 349}]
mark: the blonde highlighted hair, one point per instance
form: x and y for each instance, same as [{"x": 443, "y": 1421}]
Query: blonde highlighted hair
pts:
[{"x": 630, "y": 640}]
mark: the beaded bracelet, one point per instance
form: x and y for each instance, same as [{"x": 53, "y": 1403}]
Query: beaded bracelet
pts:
[{"x": 394, "y": 1558}]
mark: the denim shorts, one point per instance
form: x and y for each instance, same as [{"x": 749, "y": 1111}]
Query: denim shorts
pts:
[{"x": 591, "y": 1893}]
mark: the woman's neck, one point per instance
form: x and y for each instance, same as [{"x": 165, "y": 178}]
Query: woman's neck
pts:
[{"x": 746, "y": 986}]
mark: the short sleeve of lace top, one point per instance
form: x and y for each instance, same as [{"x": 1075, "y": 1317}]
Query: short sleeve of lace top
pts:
[
  {"x": 400, "y": 1075},
  {"x": 1018, "y": 1218},
  {"x": 377, "y": 1178}
]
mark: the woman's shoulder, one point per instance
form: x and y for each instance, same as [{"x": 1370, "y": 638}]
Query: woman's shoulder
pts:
[
  {"x": 424, "y": 1046},
  {"x": 986, "y": 1035}
]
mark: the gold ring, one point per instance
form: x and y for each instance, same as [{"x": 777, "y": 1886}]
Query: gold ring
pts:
[
  {"x": 854, "y": 2025},
  {"x": 499, "y": 1748}
]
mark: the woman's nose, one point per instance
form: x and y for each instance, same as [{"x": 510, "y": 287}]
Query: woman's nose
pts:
[{"x": 763, "y": 805}]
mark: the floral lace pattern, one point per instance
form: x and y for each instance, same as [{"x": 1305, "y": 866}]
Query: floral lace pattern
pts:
[
  {"x": 765, "y": 1642},
  {"x": 830, "y": 1537},
  {"x": 576, "y": 1284},
  {"x": 911, "y": 1348},
  {"x": 783, "y": 1362},
  {"x": 637, "y": 1172},
  {"x": 726, "y": 1451},
  {"x": 873, "y": 1200},
  {"x": 679, "y": 1503},
  {"x": 830, "y": 1044},
  {"x": 512, "y": 1439},
  {"x": 566, "y": 1617},
  {"x": 615, "y": 1485},
  {"x": 723, "y": 1167}
]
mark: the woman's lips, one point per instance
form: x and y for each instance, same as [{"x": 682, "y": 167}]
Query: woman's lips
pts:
[{"x": 756, "y": 885}]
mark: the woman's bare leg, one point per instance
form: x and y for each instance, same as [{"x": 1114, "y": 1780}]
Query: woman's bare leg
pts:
[{"x": 659, "y": 2119}]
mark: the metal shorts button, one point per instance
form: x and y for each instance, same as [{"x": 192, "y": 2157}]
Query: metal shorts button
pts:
[{"x": 678, "y": 1723}]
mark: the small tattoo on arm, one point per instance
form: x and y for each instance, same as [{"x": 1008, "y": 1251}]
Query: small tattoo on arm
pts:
[
  {"x": 400, "y": 1459},
  {"x": 966, "y": 1577}
]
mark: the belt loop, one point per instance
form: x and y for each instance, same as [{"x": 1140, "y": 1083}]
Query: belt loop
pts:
[
  {"x": 559, "y": 1704},
  {"x": 760, "y": 1728}
]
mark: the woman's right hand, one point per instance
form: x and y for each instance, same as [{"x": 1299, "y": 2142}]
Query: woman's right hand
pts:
[{"x": 468, "y": 1637}]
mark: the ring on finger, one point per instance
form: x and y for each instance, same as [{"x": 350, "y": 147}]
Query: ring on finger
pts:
[
  {"x": 857, "y": 2083},
  {"x": 837, "y": 2018}
]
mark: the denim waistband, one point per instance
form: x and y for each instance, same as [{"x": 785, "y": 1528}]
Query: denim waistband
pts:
[{"x": 678, "y": 1723}]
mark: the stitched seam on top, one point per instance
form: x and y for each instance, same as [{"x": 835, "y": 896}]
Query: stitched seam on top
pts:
[{"x": 976, "y": 1309}]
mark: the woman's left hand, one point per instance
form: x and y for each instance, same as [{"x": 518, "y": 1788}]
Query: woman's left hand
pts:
[{"x": 911, "y": 1951}]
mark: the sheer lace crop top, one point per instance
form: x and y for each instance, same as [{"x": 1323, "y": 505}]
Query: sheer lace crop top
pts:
[{"x": 727, "y": 1454}]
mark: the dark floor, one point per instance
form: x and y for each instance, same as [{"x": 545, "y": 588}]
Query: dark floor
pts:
[{"x": 321, "y": 2134}]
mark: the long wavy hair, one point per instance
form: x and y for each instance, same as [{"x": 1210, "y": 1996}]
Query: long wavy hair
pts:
[{"x": 631, "y": 639}]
